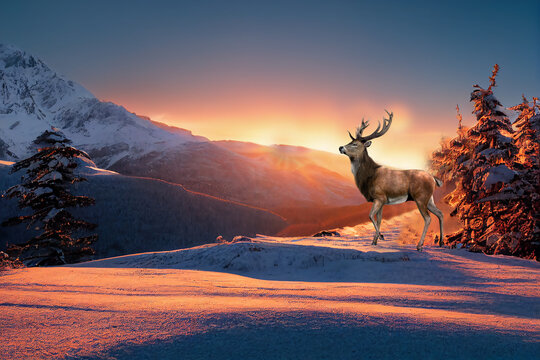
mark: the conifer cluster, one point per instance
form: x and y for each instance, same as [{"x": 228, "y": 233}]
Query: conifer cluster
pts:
[{"x": 494, "y": 166}]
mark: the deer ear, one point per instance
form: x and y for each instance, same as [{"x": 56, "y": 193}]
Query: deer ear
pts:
[{"x": 367, "y": 143}]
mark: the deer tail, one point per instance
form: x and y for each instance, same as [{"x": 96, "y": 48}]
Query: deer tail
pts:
[{"x": 438, "y": 181}]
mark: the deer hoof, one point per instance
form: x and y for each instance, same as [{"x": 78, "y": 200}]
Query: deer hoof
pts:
[
  {"x": 373, "y": 243},
  {"x": 381, "y": 237},
  {"x": 419, "y": 248}
]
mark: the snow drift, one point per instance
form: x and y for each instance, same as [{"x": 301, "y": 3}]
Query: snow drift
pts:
[{"x": 259, "y": 257}]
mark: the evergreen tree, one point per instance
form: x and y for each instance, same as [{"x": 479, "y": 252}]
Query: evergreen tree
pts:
[
  {"x": 492, "y": 196},
  {"x": 527, "y": 138},
  {"x": 528, "y": 131},
  {"x": 489, "y": 151},
  {"x": 45, "y": 190},
  {"x": 445, "y": 161}
]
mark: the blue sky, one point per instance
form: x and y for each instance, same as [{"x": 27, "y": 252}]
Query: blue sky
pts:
[{"x": 266, "y": 70}]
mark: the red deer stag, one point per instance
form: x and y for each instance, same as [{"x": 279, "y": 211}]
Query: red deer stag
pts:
[{"x": 382, "y": 185}]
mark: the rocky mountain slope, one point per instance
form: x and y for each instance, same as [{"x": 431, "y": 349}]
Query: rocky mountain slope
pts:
[{"x": 33, "y": 98}]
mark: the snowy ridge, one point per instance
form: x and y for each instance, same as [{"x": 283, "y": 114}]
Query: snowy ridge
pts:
[
  {"x": 255, "y": 257},
  {"x": 347, "y": 257}
]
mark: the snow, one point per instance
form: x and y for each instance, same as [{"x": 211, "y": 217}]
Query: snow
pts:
[
  {"x": 264, "y": 256},
  {"x": 504, "y": 139},
  {"x": 42, "y": 190},
  {"x": 327, "y": 298},
  {"x": 489, "y": 152},
  {"x": 52, "y": 213},
  {"x": 35, "y": 98},
  {"x": 51, "y": 176},
  {"x": 499, "y": 173}
]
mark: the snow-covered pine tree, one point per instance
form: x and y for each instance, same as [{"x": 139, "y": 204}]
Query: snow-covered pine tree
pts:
[
  {"x": 527, "y": 138},
  {"x": 44, "y": 188},
  {"x": 484, "y": 169},
  {"x": 489, "y": 191},
  {"x": 528, "y": 131}
]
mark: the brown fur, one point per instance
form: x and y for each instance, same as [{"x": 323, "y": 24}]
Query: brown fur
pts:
[
  {"x": 382, "y": 185},
  {"x": 365, "y": 175}
]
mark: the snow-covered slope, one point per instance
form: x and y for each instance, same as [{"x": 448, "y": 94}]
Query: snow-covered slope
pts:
[
  {"x": 333, "y": 297},
  {"x": 141, "y": 214},
  {"x": 441, "y": 304},
  {"x": 33, "y": 98},
  {"x": 256, "y": 256}
]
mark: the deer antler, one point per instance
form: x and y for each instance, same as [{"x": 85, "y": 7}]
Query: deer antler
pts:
[
  {"x": 361, "y": 128},
  {"x": 377, "y": 133}
]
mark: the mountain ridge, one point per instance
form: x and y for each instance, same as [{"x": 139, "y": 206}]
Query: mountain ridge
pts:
[{"x": 33, "y": 98}]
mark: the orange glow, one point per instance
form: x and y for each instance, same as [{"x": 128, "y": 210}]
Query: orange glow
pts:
[
  {"x": 315, "y": 123},
  {"x": 288, "y": 108}
]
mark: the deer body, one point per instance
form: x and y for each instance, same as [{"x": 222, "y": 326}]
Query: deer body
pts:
[{"x": 385, "y": 186}]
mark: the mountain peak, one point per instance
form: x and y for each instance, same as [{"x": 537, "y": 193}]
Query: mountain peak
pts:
[
  {"x": 11, "y": 56},
  {"x": 29, "y": 86},
  {"x": 33, "y": 97}
]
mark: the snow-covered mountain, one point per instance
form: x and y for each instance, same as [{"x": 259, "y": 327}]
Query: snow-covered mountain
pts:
[{"x": 33, "y": 98}]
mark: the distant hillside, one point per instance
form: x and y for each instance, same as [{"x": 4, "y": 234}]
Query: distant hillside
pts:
[
  {"x": 138, "y": 215},
  {"x": 33, "y": 97},
  {"x": 292, "y": 156},
  {"x": 272, "y": 181}
]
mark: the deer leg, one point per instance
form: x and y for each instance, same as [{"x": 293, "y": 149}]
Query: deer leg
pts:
[
  {"x": 427, "y": 220},
  {"x": 379, "y": 220},
  {"x": 377, "y": 205},
  {"x": 438, "y": 213}
]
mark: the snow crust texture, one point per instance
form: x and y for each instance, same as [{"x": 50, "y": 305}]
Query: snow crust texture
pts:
[{"x": 362, "y": 302}]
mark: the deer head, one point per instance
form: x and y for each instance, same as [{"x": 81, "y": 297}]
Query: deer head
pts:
[{"x": 359, "y": 143}]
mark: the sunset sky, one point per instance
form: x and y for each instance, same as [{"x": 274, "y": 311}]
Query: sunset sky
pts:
[{"x": 292, "y": 72}]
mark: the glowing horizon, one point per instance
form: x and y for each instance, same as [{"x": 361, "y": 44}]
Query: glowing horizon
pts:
[
  {"x": 404, "y": 146},
  {"x": 298, "y": 73}
]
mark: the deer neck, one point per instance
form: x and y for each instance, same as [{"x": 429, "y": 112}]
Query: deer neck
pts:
[{"x": 363, "y": 169}]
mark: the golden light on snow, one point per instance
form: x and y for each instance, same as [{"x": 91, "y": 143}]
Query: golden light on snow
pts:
[{"x": 88, "y": 311}]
